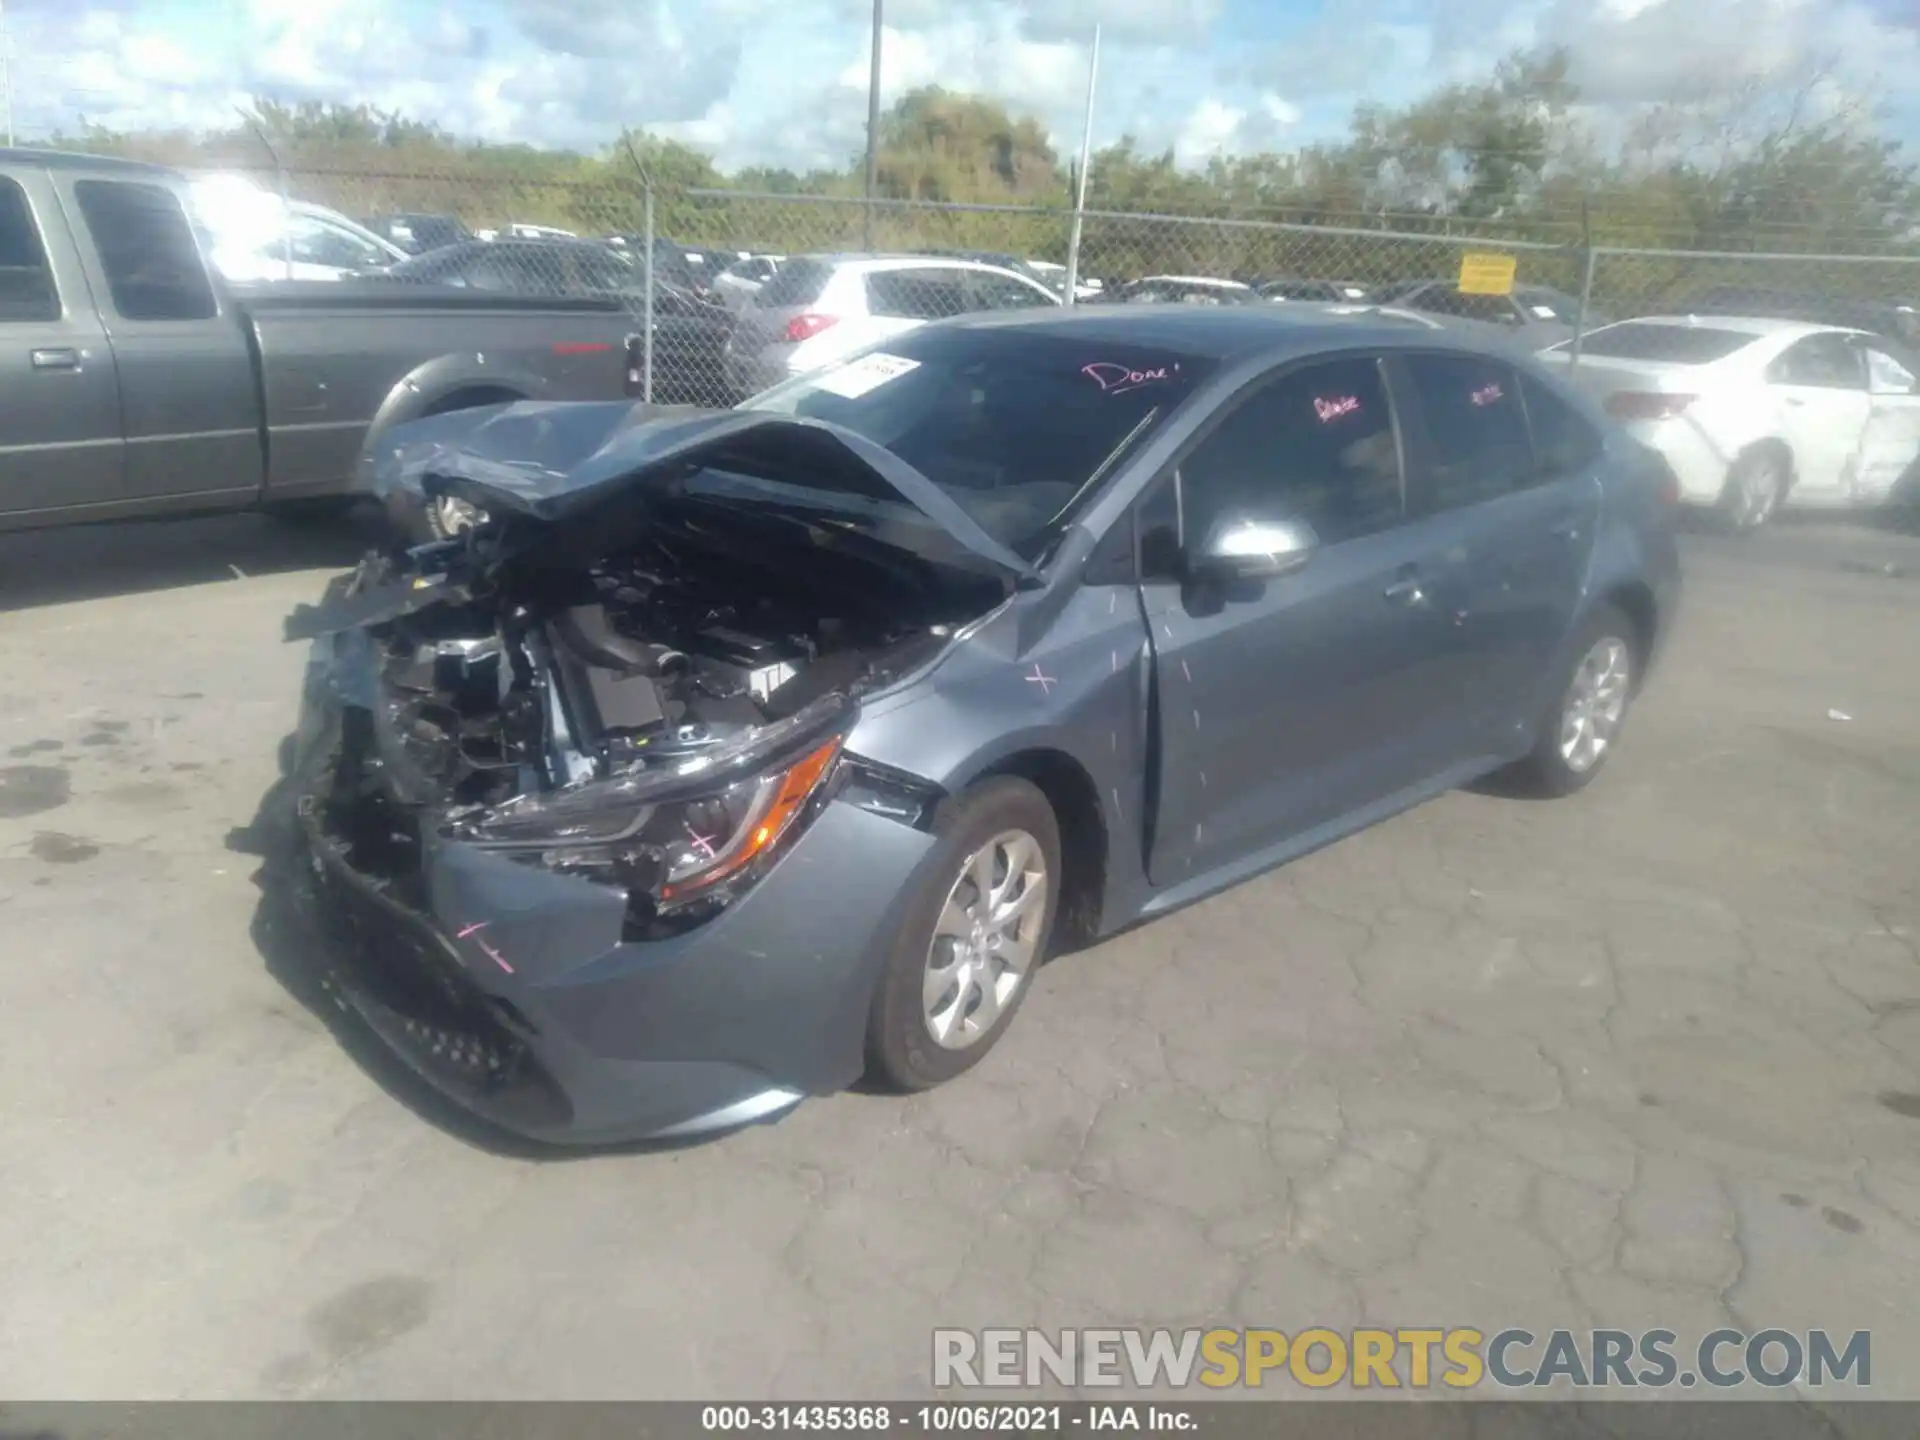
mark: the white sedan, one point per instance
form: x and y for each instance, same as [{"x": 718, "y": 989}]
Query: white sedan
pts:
[{"x": 1752, "y": 414}]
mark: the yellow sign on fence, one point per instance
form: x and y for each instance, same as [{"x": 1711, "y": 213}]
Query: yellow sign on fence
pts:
[{"x": 1485, "y": 274}]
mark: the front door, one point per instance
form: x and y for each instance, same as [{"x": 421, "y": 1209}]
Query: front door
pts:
[
  {"x": 1284, "y": 705},
  {"x": 1890, "y": 450},
  {"x": 61, "y": 443},
  {"x": 1820, "y": 387}
]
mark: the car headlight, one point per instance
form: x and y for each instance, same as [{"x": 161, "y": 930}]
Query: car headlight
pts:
[{"x": 678, "y": 833}]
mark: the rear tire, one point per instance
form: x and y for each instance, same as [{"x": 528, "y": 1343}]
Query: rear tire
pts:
[
  {"x": 973, "y": 934},
  {"x": 1589, "y": 710},
  {"x": 1756, "y": 484}
]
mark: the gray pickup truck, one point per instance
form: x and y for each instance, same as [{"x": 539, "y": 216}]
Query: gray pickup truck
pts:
[{"x": 134, "y": 383}]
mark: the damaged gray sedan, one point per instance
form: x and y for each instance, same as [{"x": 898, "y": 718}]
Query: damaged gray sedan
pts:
[{"x": 735, "y": 755}]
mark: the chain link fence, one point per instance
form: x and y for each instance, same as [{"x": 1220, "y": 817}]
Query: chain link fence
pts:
[{"x": 736, "y": 289}]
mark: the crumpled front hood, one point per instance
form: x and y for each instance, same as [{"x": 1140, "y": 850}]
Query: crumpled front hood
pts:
[{"x": 555, "y": 462}]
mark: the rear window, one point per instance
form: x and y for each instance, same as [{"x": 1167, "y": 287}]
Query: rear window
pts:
[
  {"x": 1673, "y": 344},
  {"x": 147, "y": 248},
  {"x": 798, "y": 283},
  {"x": 1015, "y": 426}
]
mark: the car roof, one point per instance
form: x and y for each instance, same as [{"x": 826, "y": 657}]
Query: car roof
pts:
[
  {"x": 1754, "y": 325},
  {"x": 70, "y": 160},
  {"x": 1226, "y": 333},
  {"x": 1193, "y": 280}
]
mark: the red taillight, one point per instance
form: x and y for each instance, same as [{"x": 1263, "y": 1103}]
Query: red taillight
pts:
[
  {"x": 805, "y": 327},
  {"x": 1646, "y": 404}
]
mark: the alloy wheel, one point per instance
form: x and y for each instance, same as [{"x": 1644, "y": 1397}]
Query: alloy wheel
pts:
[
  {"x": 1596, "y": 703},
  {"x": 985, "y": 939}
]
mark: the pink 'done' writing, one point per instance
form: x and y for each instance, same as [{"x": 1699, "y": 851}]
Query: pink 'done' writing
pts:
[
  {"x": 1118, "y": 379},
  {"x": 1332, "y": 408},
  {"x": 1486, "y": 394}
]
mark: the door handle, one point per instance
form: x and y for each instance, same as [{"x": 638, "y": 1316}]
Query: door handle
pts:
[
  {"x": 1406, "y": 590},
  {"x": 56, "y": 359},
  {"x": 1793, "y": 400},
  {"x": 1568, "y": 532}
]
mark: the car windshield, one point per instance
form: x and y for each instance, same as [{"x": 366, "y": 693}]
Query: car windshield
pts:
[
  {"x": 1672, "y": 344},
  {"x": 1017, "y": 427}
]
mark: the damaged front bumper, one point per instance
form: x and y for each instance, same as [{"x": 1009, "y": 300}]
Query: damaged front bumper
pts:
[{"x": 520, "y": 993}]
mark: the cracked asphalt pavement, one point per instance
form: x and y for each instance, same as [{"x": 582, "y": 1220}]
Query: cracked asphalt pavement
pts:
[{"x": 1646, "y": 1058}]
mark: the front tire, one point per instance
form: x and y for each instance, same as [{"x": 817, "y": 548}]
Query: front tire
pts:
[
  {"x": 1589, "y": 710},
  {"x": 974, "y": 932}
]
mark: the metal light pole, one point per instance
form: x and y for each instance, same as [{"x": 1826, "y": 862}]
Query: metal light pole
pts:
[
  {"x": 1080, "y": 181},
  {"x": 6, "y": 71},
  {"x": 873, "y": 118}
]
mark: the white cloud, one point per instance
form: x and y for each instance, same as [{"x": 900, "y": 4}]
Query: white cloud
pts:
[{"x": 783, "y": 81}]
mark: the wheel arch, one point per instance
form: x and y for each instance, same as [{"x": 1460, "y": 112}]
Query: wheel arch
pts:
[{"x": 1070, "y": 789}]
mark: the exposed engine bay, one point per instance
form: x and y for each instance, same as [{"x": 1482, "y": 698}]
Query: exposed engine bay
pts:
[
  {"x": 657, "y": 720},
  {"x": 635, "y": 663}
]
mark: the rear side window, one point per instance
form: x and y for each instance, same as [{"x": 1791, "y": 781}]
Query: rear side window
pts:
[
  {"x": 800, "y": 282},
  {"x": 26, "y": 281},
  {"x": 1564, "y": 443},
  {"x": 928, "y": 294},
  {"x": 1476, "y": 427},
  {"x": 146, "y": 246},
  {"x": 1669, "y": 344}
]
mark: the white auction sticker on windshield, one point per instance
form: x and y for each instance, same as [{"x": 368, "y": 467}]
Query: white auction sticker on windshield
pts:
[
  {"x": 1544, "y": 312},
  {"x": 869, "y": 372}
]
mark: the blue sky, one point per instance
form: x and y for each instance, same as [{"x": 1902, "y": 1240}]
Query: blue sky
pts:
[{"x": 783, "y": 81}]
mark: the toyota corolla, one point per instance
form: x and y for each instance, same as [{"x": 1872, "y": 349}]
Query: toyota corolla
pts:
[{"x": 738, "y": 754}]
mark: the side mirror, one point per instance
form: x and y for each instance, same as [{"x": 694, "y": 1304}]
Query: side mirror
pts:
[{"x": 1241, "y": 548}]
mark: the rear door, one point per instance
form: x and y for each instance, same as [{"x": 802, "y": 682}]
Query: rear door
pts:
[
  {"x": 61, "y": 444},
  {"x": 1507, "y": 475},
  {"x": 1820, "y": 384},
  {"x": 1891, "y": 447},
  {"x": 1287, "y": 705},
  {"x": 188, "y": 404}
]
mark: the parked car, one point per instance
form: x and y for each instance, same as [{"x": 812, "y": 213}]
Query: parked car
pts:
[
  {"x": 1536, "y": 316},
  {"x": 1335, "y": 292},
  {"x": 1181, "y": 289},
  {"x": 1890, "y": 319},
  {"x": 251, "y": 234},
  {"x": 1756, "y": 413},
  {"x": 787, "y": 741},
  {"x": 1085, "y": 287},
  {"x": 418, "y": 233},
  {"x": 821, "y": 308},
  {"x": 689, "y": 333},
  {"x": 738, "y": 283},
  {"x": 520, "y": 230},
  {"x": 691, "y": 267},
  {"x": 139, "y": 383}
]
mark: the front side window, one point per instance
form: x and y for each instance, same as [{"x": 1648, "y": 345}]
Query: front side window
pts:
[
  {"x": 1823, "y": 362},
  {"x": 1476, "y": 427},
  {"x": 147, "y": 248},
  {"x": 1316, "y": 445},
  {"x": 315, "y": 242},
  {"x": 1017, "y": 428},
  {"x": 26, "y": 280}
]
